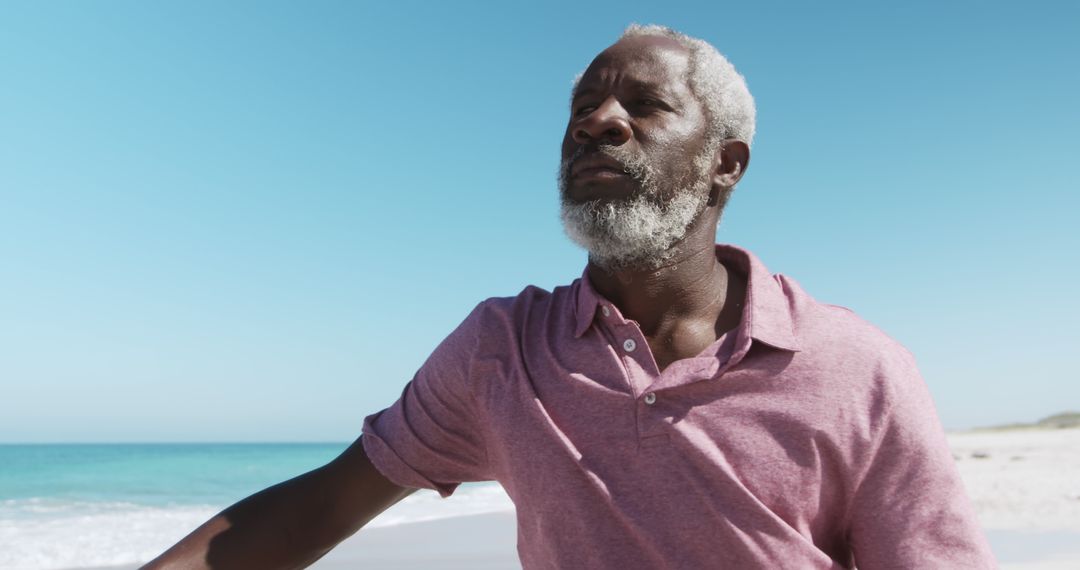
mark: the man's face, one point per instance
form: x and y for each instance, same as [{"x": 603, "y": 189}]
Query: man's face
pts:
[{"x": 634, "y": 170}]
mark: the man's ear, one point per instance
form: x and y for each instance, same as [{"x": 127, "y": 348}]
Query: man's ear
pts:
[{"x": 729, "y": 163}]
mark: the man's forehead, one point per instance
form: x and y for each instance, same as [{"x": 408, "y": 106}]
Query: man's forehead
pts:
[
  {"x": 651, "y": 56},
  {"x": 646, "y": 45}
]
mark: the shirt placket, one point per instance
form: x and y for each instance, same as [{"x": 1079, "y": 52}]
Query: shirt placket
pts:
[{"x": 640, "y": 369}]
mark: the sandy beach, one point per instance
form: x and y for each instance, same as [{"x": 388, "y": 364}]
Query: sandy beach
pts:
[
  {"x": 480, "y": 542},
  {"x": 484, "y": 542},
  {"x": 1024, "y": 483},
  {"x": 1022, "y": 479}
]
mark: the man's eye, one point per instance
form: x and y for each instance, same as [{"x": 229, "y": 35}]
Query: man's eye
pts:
[{"x": 582, "y": 111}]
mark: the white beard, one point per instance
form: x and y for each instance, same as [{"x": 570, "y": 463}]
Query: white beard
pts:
[{"x": 641, "y": 230}]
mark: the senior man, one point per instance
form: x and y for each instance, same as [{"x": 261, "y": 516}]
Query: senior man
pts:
[{"x": 676, "y": 407}]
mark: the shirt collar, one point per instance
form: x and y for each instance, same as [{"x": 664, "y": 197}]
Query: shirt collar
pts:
[
  {"x": 766, "y": 317},
  {"x": 587, "y": 302}
]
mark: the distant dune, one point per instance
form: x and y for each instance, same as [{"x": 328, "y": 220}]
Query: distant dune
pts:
[{"x": 1063, "y": 420}]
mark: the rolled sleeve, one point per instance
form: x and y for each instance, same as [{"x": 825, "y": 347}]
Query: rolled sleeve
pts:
[
  {"x": 910, "y": 509},
  {"x": 432, "y": 437}
]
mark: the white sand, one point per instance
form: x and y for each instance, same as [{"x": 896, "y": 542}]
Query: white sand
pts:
[
  {"x": 1022, "y": 479},
  {"x": 479, "y": 542},
  {"x": 1025, "y": 485}
]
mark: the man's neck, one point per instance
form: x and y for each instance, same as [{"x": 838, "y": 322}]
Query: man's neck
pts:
[{"x": 691, "y": 289}]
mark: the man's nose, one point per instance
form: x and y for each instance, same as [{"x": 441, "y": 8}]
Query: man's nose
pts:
[{"x": 606, "y": 124}]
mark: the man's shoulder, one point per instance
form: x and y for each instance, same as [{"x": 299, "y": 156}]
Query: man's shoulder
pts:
[
  {"x": 843, "y": 357},
  {"x": 838, "y": 333},
  {"x": 529, "y": 297},
  {"x": 820, "y": 327},
  {"x": 531, "y": 305}
]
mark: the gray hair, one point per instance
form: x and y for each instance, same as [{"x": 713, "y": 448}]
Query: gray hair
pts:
[{"x": 720, "y": 88}]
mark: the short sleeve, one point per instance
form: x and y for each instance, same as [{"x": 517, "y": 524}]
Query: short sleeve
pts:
[
  {"x": 910, "y": 509},
  {"x": 432, "y": 436}
]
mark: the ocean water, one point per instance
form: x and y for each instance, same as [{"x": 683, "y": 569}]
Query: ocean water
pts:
[{"x": 64, "y": 506}]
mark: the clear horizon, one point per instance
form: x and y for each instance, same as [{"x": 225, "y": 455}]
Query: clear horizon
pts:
[{"x": 252, "y": 222}]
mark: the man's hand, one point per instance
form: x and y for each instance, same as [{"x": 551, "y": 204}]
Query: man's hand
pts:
[{"x": 291, "y": 524}]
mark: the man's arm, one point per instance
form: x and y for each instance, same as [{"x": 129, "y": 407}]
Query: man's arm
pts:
[
  {"x": 291, "y": 524},
  {"x": 910, "y": 509}
]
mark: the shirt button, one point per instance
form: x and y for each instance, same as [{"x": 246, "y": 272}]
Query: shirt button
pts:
[
  {"x": 650, "y": 398},
  {"x": 629, "y": 345},
  {"x": 605, "y": 310}
]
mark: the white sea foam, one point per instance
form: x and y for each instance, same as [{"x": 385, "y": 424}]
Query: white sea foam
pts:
[
  {"x": 428, "y": 505},
  {"x": 49, "y": 534}
]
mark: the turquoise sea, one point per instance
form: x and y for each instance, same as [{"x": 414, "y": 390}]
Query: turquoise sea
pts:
[
  {"x": 66, "y": 506},
  {"x": 152, "y": 474}
]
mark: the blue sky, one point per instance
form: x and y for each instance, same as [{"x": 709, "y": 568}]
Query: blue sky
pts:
[{"x": 253, "y": 221}]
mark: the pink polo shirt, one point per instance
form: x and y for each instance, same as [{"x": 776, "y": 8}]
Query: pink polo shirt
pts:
[{"x": 805, "y": 438}]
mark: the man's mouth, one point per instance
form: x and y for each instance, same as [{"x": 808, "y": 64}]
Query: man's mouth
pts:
[
  {"x": 597, "y": 166},
  {"x": 599, "y": 172}
]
